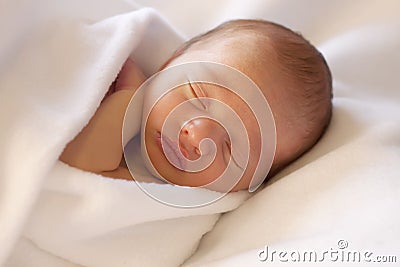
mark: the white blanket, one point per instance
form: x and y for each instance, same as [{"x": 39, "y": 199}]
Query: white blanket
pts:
[
  {"x": 56, "y": 66},
  {"x": 346, "y": 188}
]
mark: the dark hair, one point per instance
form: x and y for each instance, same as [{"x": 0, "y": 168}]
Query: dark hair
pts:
[{"x": 307, "y": 75}]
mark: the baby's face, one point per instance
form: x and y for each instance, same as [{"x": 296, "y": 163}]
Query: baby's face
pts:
[{"x": 193, "y": 131}]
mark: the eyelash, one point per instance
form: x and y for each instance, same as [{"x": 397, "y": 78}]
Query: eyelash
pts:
[
  {"x": 227, "y": 153},
  {"x": 197, "y": 96},
  {"x": 228, "y": 144}
]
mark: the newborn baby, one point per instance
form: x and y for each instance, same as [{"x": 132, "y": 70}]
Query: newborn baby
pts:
[{"x": 291, "y": 74}]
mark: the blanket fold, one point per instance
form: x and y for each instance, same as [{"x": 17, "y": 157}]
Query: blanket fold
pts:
[
  {"x": 57, "y": 59},
  {"x": 49, "y": 91}
]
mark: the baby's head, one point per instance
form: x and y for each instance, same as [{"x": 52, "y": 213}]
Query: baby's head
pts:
[{"x": 292, "y": 75}]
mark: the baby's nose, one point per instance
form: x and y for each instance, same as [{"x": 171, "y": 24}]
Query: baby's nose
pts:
[{"x": 196, "y": 130}]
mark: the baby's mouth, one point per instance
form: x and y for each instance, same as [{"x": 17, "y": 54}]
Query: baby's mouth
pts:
[{"x": 171, "y": 151}]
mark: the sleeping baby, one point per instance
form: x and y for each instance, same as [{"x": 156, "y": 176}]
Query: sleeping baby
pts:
[{"x": 287, "y": 71}]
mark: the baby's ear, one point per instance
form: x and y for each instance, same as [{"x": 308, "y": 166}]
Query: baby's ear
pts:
[{"x": 130, "y": 77}]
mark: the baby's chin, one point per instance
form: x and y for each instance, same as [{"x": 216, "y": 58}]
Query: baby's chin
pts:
[{"x": 179, "y": 177}]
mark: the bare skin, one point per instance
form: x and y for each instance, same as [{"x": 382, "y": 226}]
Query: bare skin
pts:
[{"x": 98, "y": 147}]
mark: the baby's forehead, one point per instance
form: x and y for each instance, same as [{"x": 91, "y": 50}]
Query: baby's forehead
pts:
[
  {"x": 228, "y": 96},
  {"x": 244, "y": 102}
]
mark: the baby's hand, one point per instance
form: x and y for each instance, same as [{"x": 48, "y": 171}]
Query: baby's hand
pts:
[{"x": 130, "y": 77}]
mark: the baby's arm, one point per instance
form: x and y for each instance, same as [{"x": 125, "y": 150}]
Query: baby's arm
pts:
[{"x": 98, "y": 147}]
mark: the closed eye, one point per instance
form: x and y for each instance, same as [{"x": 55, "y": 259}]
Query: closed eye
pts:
[
  {"x": 227, "y": 150},
  {"x": 198, "y": 93}
]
